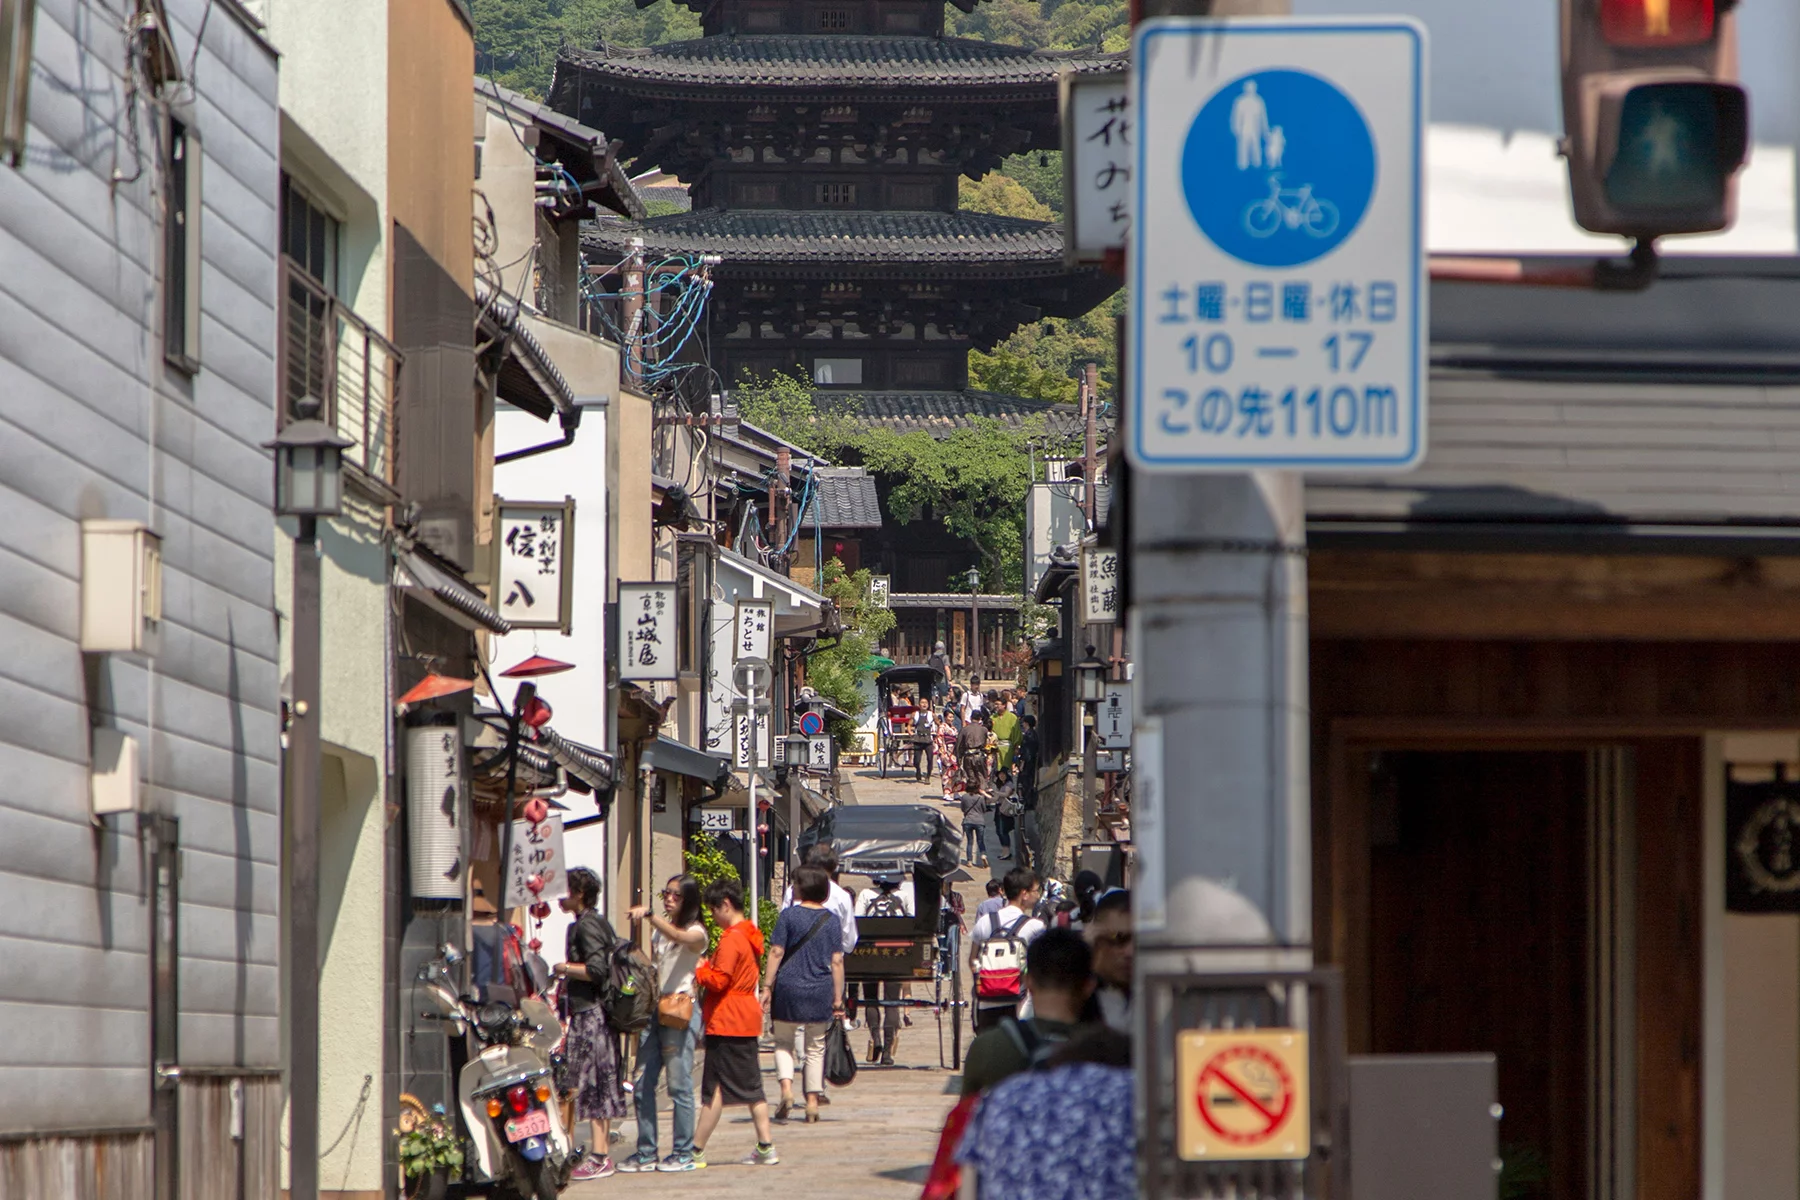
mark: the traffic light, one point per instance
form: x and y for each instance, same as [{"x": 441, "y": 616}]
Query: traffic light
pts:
[{"x": 1656, "y": 126}]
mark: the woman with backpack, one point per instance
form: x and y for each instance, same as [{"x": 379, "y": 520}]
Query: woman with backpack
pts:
[
  {"x": 804, "y": 985},
  {"x": 592, "y": 1049},
  {"x": 677, "y": 940}
]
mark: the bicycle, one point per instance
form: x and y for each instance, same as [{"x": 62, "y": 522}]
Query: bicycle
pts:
[{"x": 1294, "y": 208}]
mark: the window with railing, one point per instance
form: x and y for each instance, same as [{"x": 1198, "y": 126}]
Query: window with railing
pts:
[{"x": 327, "y": 352}]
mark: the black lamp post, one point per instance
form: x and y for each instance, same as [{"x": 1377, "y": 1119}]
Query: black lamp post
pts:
[
  {"x": 1090, "y": 690},
  {"x": 309, "y": 458},
  {"x": 973, "y": 578}
]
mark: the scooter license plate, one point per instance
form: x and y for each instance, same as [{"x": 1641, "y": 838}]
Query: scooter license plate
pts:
[{"x": 532, "y": 1124}]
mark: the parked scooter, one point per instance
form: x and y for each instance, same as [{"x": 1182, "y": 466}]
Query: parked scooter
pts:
[{"x": 507, "y": 1093}]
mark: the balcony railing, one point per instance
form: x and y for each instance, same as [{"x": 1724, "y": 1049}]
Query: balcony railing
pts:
[{"x": 330, "y": 353}]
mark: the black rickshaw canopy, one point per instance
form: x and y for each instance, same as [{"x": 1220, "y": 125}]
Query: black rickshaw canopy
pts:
[{"x": 884, "y": 839}]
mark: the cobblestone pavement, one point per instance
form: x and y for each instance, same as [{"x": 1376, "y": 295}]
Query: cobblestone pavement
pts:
[{"x": 877, "y": 1136}]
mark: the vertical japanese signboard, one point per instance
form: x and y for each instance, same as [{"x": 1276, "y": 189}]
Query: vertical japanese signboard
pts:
[
  {"x": 1099, "y": 585},
  {"x": 879, "y": 588},
  {"x": 1112, "y": 719},
  {"x": 1277, "y": 289},
  {"x": 534, "y": 559},
  {"x": 648, "y": 632},
  {"x": 1097, "y": 165},
  {"x": 753, "y": 622},
  {"x": 537, "y": 850}
]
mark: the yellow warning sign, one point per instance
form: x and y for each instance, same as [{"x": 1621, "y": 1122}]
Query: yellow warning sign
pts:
[{"x": 1242, "y": 1094}]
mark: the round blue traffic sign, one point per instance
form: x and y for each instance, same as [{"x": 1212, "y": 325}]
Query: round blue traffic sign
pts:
[
  {"x": 812, "y": 724},
  {"x": 1278, "y": 168}
]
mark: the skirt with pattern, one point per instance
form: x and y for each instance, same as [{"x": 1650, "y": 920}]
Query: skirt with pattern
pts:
[{"x": 593, "y": 1056}]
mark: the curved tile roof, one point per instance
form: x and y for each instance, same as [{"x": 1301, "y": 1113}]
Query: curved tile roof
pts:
[
  {"x": 939, "y": 413},
  {"x": 841, "y": 60},
  {"x": 847, "y": 236}
]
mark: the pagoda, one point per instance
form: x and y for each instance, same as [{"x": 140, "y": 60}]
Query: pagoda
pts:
[{"x": 821, "y": 143}]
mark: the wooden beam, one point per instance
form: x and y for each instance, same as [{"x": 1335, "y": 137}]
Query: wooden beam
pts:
[{"x": 1553, "y": 597}]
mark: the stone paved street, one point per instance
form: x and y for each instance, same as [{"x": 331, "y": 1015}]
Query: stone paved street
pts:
[{"x": 877, "y": 1136}]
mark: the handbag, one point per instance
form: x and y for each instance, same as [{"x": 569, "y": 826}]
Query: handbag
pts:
[
  {"x": 840, "y": 1064},
  {"x": 676, "y": 1010}
]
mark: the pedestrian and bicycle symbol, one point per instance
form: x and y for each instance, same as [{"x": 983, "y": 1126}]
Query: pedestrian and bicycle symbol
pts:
[
  {"x": 1278, "y": 168},
  {"x": 1244, "y": 1095}
]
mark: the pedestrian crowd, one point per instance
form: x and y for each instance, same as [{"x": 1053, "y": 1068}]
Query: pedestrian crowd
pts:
[{"x": 1046, "y": 1106}]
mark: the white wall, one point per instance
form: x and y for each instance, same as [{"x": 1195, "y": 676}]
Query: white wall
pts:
[
  {"x": 1751, "y": 1055},
  {"x": 1495, "y": 183}
]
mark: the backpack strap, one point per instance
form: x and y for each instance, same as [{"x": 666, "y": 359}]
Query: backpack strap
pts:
[{"x": 1012, "y": 931}]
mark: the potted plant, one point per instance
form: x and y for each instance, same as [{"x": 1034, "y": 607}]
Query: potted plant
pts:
[{"x": 431, "y": 1153}]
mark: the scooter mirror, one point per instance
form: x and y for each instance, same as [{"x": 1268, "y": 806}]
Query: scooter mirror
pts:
[{"x": 452, "y": 956}]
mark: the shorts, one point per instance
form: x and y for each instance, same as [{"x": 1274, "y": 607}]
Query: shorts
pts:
[{"x": 733, "y": 1066}]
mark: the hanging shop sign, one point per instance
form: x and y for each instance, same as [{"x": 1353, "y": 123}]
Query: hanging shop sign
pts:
[
  {"x": 880, "y": 587},
  {"x": 1112, "y": 717},
  {"x": 754, "y": 621},
  {"x": 1099, "y": 585},
  {"x": 717, "y": 820},
  {"x": 1762, "y": 846},
  {"x": 1097, "y": 162},
  {"x": 537, "y": 853},
  {"x": 648, "y": 635},
  {"x": 1243, "y": 1095},
  {"x": 534, "y": 563}
]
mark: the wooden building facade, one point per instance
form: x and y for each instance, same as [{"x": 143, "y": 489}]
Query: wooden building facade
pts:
[{"x": 1542, "y": 667}]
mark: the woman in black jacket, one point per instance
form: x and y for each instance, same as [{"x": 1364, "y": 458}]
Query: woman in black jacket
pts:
[{"x": 592, "y": 1050}]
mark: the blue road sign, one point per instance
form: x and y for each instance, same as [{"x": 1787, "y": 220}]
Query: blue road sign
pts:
[{"x": 1277, "y": 270}]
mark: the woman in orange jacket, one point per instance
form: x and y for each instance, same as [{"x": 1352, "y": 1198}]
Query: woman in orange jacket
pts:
[{"x": 734, "y": 1022}]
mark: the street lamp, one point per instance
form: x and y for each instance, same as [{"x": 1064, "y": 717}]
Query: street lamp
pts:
[
  {"x": 309, "y": 466},
  {"x": 973, "y": 578},
  {"x": 1090, "y": 679},
  {"x": 1090, "y": 690},
  {"x": 309, "y": 463}
]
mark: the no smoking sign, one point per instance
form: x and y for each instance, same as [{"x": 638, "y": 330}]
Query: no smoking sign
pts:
[{"x": 1243, "y": 1095}]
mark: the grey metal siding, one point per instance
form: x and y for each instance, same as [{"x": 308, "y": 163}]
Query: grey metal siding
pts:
[
  {"x": 90, "y": 427},
  {"x": 1619, "y": 450}
]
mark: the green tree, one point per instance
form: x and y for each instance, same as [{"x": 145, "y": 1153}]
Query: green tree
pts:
[
  {"x": 1041, "y": 173},
  {"x": 833, "y": 670},
  {"x": 516, "y": 41},
  {"x": 1001, "y": 195}
]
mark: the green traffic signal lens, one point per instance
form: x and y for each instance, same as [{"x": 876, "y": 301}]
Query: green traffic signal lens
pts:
[{"x": 1678, "y": 145}]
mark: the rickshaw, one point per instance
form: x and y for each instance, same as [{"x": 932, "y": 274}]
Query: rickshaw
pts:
[
  {"x": 921, "y": 845},
  {"x": 898, "y": 739}
]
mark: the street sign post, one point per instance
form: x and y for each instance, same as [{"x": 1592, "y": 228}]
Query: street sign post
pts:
[{"x": 1277, "y": 271}]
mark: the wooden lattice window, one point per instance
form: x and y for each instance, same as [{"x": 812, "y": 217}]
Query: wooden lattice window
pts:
[
  {"x": 834, "y": 195},
  {"x": 834, "y": 20}
]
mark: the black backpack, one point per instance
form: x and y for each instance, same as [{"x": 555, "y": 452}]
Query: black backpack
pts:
[{"x": 628, "y": 993}]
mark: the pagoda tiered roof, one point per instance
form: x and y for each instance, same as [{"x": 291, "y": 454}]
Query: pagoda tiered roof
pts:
[
  {"x": 901, "y": 240},
  {"x": 941, "y": 413},
  {"x": 761, "y": 67}
]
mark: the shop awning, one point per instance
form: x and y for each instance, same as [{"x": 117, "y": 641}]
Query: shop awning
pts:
[
  {"x": 677, "y": 758},
  {"x": 796, "y": 607},
  {"x": 439, "y": 589}
]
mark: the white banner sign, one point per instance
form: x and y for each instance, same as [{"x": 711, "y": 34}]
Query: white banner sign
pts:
[
  {"x": 1112, "y": 719},
  {"x": 648, "y": 629},
  {"x": 1096, "y": 164},
  {"x": 534, "y": 550},
  {"x": 536, "y": 850},
  {"x": 716, "y": 820},
  {"x": 818, "y": 753},
  {"x": 1099, "y": 586},
  {"x": 754, "y": 621}
]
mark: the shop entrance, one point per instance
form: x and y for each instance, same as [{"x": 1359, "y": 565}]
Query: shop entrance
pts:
[
  {"x": 1539, "y": 901},
  {"x": 1478, "y": 934}
]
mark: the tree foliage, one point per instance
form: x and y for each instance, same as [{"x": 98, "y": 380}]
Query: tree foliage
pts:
[
  {"x": 516, "y": 41},
  {"x": 1046, "y": 24},
  {"x": 972, "y": 482},
  {"x": 832, "y": 671}
]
